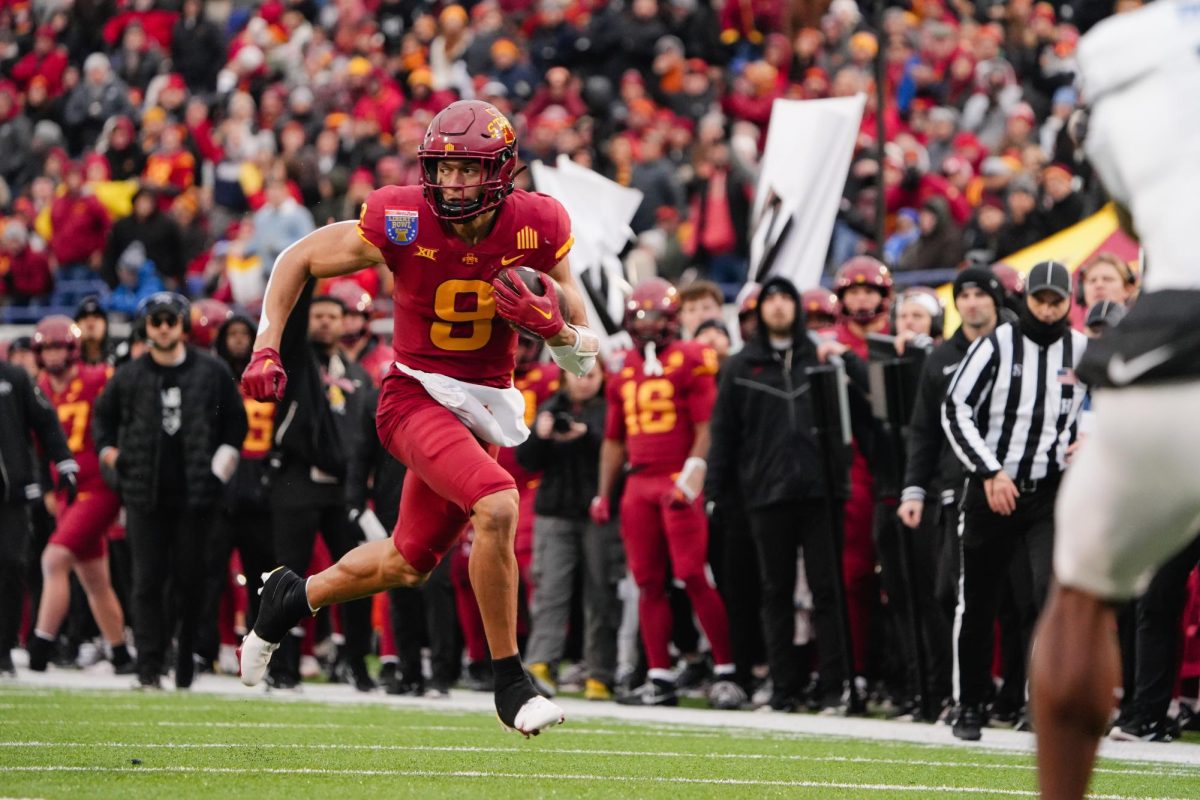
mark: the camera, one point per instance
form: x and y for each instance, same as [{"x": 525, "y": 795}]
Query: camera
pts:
[{"x": 562, "y": 422}]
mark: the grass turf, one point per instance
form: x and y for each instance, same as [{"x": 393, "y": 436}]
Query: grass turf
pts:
[{"x": 70, "y": 744}]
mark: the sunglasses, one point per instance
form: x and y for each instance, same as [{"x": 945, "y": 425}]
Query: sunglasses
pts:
[{"x": 158, "y": 320}]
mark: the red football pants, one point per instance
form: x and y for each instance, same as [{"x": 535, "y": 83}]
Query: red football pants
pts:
[{"x": 656, "y": 534}]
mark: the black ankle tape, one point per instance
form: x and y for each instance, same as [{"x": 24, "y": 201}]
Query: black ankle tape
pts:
[{"x": 507, "y": 671}]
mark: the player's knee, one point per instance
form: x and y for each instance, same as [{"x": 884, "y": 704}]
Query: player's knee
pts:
[
  {"x": 496, "y": 513},
  {"x": 56, "y": 559}
]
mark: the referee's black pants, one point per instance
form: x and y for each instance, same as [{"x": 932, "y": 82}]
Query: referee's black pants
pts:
[{"x": 990, "y": 542}]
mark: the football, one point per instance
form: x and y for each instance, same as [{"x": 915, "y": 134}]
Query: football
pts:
[{"x": 533, "y": 279}]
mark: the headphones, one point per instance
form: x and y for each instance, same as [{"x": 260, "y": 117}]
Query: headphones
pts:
[
  {"x": 1122, "y": 266},
  {"x": 164, "y": 301}
]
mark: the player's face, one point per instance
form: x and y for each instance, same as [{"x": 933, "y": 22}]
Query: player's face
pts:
[
  {"x": 1049, "y": 307},
  {"x": 164, "y": 330},
  {"x": 649, "y": 325},
  {"x": 54, "y": 359},
  {"x": 1104, "y": 282},
  {"x": 93, "y": 327},
  {"x": 583, "y": 389},
  {"x": 861, "y": 299},
  {"x": 778, "y": 311},
  {"x": 976, "y": 308},
  {"x": 912, "y": 318},
  {"x": 462, "y": 174},
  {"x": 325, "y": 323},
  {"x": 693, "y": 312}
]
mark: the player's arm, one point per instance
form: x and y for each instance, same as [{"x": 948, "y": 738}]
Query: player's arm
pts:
[
  {"x": 612, "y": 454},
  {"x": 575, "y": 346},
  {"x": 327, "y": 252}
]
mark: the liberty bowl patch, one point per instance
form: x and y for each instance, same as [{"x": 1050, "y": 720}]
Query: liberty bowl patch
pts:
[{"x": 400, "y": 225}]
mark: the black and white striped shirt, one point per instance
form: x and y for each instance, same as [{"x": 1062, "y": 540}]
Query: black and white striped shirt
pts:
[{"x": 1014, "y": 405}]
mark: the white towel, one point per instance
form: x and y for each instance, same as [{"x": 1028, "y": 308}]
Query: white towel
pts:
[{"x": 494, "y": 415}]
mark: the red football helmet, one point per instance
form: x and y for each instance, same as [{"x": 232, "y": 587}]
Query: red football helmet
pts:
[
  {"x": 864, "y": 271},
  {"x": 57, "y": 330},
  {"x": 652, "y": 313},
  {"x": 208, "y": 315},
  {"x": 474, "y": 130},
  {"x": 820, "y": 307}
]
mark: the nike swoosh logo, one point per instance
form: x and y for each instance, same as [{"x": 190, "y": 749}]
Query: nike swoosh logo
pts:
[
  {"x": 546, "y": 314},
  {"x": 507, "y": 261},
  {"x": 1121, "y": 372}
]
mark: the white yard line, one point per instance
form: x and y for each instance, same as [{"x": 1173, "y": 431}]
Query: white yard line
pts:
[
  {"x": 656, "y": 754},
  {"x": 704, "y": 722},
  {"x": 590, "y": 778}
]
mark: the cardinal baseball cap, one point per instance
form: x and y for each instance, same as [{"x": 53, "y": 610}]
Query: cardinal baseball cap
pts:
[{"x": 1049, "y": 276}]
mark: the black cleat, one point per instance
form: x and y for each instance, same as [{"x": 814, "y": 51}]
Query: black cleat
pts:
[{"x": 969, "y": 724}]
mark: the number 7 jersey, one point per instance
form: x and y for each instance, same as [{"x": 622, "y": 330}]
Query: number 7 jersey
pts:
[
  {"x": 656, "y": 415},
  {"x": 444, "y": 316},
  {"x": 74, "y": 406}
]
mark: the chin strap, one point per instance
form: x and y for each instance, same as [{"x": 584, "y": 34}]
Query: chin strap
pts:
[
  {"x": 580, "y": 357},
  {"x": 653, "y": 366}
]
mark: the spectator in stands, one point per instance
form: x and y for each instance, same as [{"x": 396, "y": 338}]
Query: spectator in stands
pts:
[
  {"x": 1023, "y": 225},
  {"x": 24, "y": 272},
  {"x": 16, "y": 133},
  {"x": 79, "y": 228},
  {"x": 194, "y": 41},
  {"x": 47, "y": 60},
  {"x": 137, "y": 279},
  {"x": 138, "y": 59},
  {"x": 280, "y": 222},
  {"x": 121, "y": 148},
  {"x": 939, "y": 244},
  {"x": 97, "y": 98},
  {"x": 1062, "y": 205},
  {"x": 158, "y": 234}
]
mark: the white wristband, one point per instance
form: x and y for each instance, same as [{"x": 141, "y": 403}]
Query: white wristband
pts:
[
  {"x": 693, "y": 465},
  {"x": 580, "y": 357},
  {"x": 225, "y": 461}
]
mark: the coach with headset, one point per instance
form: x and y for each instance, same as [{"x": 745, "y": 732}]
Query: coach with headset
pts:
[
  {"x": 169, "y": 425},
  {"x": 1010, "y": 414}
]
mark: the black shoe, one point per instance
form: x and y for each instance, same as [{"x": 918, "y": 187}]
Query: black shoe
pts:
[
  {"x": 1003, "y": 715},
  {"x": 7, "y": 668},
  {"x": 479, "y": 677},
  {"x": 185, "y": 671},
  {"x": 39, "y": 652},
  {"x": 1145, "y": 731},
  {"x": 653, "y": 692},
  {"x": 389, "y": 676},
  {"x": 694, "y": 675},
  {"x": 122, "y": 662},
  {"x": 148, "y": 679},
  {"x": 281, "y": 680},
  {"x": 354, "y": 672},
  {"x": 783, "y": 704},
  {"x": 968, "y": 725}
]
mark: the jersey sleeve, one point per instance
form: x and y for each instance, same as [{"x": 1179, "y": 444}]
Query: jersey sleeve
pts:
[
  {"x": 614, "y": 418},
  {"x": 371, "y": 222},
  {"x": 555, "y": 226},
  {"x": 701, "y": 368}
]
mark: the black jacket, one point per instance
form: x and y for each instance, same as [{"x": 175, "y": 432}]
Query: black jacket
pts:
[
  {"x": 572, "y": 469},
  {"x": 128, "y": 416},
  {"x": 763, "y": 443},
  {"x": 24, "y": 410},
  {"x": 931, "y": 467},
  {"x": 159, "y": 234},
  {"x": 372, "y": 472}
]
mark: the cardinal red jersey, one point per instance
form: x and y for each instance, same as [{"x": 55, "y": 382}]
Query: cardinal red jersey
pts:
[
  {"x": 444, "y": 315},
  {"x": 260, "y": 430},
  {"x": 656, "y": 415},
  {"x": 74, "y": 405},
  {"x": 536, "y": 384}
]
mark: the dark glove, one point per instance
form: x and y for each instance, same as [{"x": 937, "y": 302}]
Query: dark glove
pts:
[
  {"x": 67, "y": 482},
  {"x": 264, "y": 378}
]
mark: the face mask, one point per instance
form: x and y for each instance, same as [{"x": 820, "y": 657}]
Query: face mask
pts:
[{"x": 1043, "y": 333}]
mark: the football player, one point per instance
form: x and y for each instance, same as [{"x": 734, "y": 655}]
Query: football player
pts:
[
  {"x": 448, "y": 402},
  {"x": 85, "y": 511},
  {"x": 660, "y": 398}
]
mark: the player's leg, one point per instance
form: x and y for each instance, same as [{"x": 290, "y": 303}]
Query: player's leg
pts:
[
  {"x": 97, "y": 584},
  {"x": 57, "y": 562},
  {"x": 1118, "y": 520}
]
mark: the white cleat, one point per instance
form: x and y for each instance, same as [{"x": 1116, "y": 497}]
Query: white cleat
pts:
[
  {"x": 256, "y": 655},
  {"x": 537, "y": 714}
]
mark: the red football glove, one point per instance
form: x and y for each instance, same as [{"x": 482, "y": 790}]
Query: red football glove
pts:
[
  {"x": 538, "y": 315},
  {"x": 599, "y": 511},
  {"x": 264, "y": 377}
]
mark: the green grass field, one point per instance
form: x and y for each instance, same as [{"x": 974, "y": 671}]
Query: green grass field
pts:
[{"x": 75, "y": 744}]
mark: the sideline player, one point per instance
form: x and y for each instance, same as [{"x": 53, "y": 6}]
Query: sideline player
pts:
[
  {"x": 79, "y": 541},
  {"x": 1132, "y": 497},
  {"x": 660, "y": 400},
  {"x": 448, "y": 402}
]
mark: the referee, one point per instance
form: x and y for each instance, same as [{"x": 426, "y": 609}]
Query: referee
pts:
[{"x": 1010, "y": 415}]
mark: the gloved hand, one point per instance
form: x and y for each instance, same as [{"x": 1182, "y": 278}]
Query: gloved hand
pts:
[
  {"x": 599, "y": 511},
  {"x": 538, "y": 315},
  {"x": 264, "y": 378},
  {"x": 67, "y": 482},
  {"x": 688, "y": 485}
]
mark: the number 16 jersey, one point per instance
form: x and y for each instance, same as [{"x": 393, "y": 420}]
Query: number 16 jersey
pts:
[
  {"x": 656, "y": 415},
  {"x": 444, "y": 316}
]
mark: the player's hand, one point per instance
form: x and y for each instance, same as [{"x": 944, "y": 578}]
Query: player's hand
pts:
[
  {"x": 538, "y": 315},
  {"x": 599, "y": 510},
  {"x": 264, "y": 378},
  {"x": 1001, "y": 493},
  {"x": 1073, "y": 448},
  {"x": 910, "y": 512},
  {"x": 68, "y": 485},
  {"x": 828, "y": 348}
]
